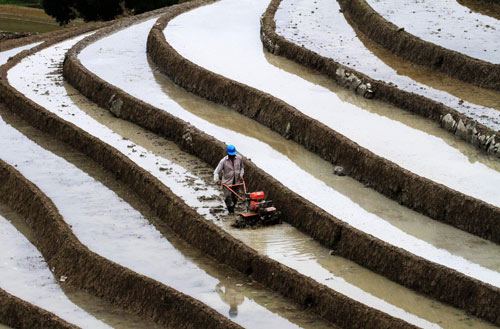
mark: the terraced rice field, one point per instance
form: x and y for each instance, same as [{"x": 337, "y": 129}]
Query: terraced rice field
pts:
[{"x": 108, "y": 147}]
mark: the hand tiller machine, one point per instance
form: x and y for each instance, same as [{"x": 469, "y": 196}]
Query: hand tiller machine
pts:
[{"x": 258, "y": 210}]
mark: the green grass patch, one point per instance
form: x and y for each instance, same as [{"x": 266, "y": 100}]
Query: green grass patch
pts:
[{"x": 23, "y": 3}]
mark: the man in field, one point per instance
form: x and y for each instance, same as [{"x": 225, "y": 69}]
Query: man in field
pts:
[{"x": 230, "y": 171}]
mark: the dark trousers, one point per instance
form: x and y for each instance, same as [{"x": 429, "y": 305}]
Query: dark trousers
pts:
[{"x": 230, "y": 198}]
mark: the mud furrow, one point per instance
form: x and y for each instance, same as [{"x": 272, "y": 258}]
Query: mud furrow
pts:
[
  {"x": 127, "y": 107},
  {"x": 334, "y": 48}
]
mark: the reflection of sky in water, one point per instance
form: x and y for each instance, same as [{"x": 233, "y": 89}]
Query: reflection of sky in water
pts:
[
  {"x": 25, "y": 274},
  {"x": 110, "y": 51},
  {"x": 100, "y": 219},
  {"x": 92, "y": 126},
  {"x": 445, "y": 23},
  {"x": 321, "y": 27},
  {"x": 414, "y": 148}
]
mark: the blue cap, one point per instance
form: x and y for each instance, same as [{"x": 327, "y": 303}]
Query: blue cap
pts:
[{"x": 231, "y": 150}]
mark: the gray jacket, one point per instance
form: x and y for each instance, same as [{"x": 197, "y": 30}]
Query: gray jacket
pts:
[{"x": 227, "y": 173}]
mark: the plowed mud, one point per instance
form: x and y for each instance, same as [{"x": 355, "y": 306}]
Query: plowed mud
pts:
[
  {"x": 202, "y": 146},
  {"x": 194, "y": 229},
  {"x": 418, "y": 193}
]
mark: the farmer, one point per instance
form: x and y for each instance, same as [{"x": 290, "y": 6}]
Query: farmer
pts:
[{"x": 230, "y": 171}]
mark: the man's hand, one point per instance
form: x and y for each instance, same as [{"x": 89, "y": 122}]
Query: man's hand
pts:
[{"x": 219, "y": 182}]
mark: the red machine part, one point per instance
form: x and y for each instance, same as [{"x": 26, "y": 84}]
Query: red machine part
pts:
[{"x": 257, "y": 196}]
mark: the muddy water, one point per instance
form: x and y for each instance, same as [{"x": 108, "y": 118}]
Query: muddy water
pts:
[
  {"x": 98, "y": 308},
  {"x": 4, "y": 327},
  {"x": 389, "y": 111},
  {"x": 321, "y": 27},
  {"x": 68, "y": 112},
  {"x": 443, "y": 236},
  {"x": 284, "y": 243},
  {"x": 483, "y": 7},
  {"x": 229, "y": 291},
  {"x": 146, "y": 88},
  {"x": 445, "y": 23},
  {"x": 433, "y": 79},
  {"x": 236, "y": 52}
]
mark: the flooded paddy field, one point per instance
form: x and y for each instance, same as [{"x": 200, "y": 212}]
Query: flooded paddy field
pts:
[
  {"x": 142, "y": 242},
  {"x": 446, "y": 23},
  {"x": 111, "y": 56},
  {"x": 220, "y": 287},
  {"x": 322, "y": 28}
]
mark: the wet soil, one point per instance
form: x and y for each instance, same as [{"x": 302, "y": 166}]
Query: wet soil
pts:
[
  {"x": 233, "y": 288},
  {"x": 137, "y": 109},
  {"x": 265, "y": 240}
]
